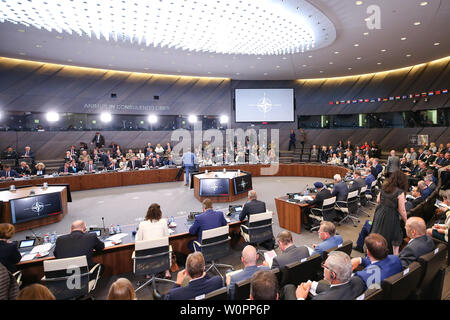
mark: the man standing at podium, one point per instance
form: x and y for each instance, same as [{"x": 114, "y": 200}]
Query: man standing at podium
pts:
[{"x": 188, "y": 162}]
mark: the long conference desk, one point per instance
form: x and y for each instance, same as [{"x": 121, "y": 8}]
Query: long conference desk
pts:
[{"x": 117, "y": 259}]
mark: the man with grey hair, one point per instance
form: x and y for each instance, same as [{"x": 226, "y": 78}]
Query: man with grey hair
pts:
[
  {"x": 393, "y": 163},
  {"x": 419, "y": 244},
  {"x": 327, "y": 233},
  {"x": 340, "y": 190},
  {"x": 430, "y": 186},
  {"x": 248, "y": 258},
  {"x": 253, "y": 205},
  {"x": 338, "y": 285}
]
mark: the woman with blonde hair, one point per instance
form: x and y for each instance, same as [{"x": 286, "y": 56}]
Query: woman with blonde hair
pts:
[
  {"x": 122, "y": 289},
  {"x": 39, "y": 169}
]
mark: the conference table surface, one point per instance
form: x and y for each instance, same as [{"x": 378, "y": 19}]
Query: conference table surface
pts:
[{"x": 117, "y": 259}]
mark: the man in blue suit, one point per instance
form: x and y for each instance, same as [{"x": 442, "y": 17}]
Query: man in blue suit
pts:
[
  {"x": 248, "y": 258},
  {"x": 209, "y": 219},
  {"x": 340, "y": 190},
  {"x": 199, "y": 283},
  {"x": 379, "y": 265},
  {"x": 188, "y": 162},
  {"x": 7, "y": 172},
  {"x": 378, "y": 167},
  {"x": 327, "y": 233},
  {"x": 369, "y": 179}
]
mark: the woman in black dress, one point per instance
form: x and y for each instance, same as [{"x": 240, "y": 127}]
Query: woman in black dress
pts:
[{"x": 390, "y": 210}]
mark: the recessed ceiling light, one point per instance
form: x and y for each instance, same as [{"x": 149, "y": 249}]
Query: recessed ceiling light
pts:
[
  {"x": 417, "y": 23},
  {"x": 403, "y": 38},
  {"x": 321, "y": 71},
  {"x": 349, "y": 68},
  {"x": 278, "y": 67},
  {"x": 366, "y": 33},
  {"x": 265, "y": 73},
  {"x": 367, "y": 19},
  {"x": 70, "y": 60},
  {"x": 336, "y": 52},
  {"x": 304, "y": 66},
  {"x": 111, "y": 65},
  {"x": 331, "y": 62},
  {"x": 423, "y": 3},
  {"x": 59, "y": 37},
  {"x": 292, "y": 33},
  {"x": 209, "y": 72},
  {"x": 259, "y": 58},
  {"x": 22, "y": 53},
  {"x": 309, "y": 56},
  {"x": 358, "y": 58},
  {"x": 378, "y": 63},
  {"x": 238, "y": 73},
  {"x": 38, "y": 46},
  {"x": 358, "y": 3},
  {"x": 383, "y": 50},
  {"x": 356, "y": 45},
  {"x": 437, "y": 43},
  {"x": 20, "y": 30},
  {"x": 408, "y": 55},
  {"x": 284, "y": 58},
  {"x": 145, "y": 68}
]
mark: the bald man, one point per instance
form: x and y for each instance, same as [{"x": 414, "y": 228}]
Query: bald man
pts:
[
  {"x": 78, "y": 243},
  {"x": 248, "y": 258},
  {"x": 419, "y": 244}
]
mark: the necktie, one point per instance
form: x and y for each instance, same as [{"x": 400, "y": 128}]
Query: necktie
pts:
[
  {"x": 90, "y": 168},
  {"x": 8, "y": 175}
]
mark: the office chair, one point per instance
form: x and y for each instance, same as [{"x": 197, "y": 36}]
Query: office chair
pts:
[
  {"x": 214, "y": 246},
  {"x": 430, "y": 286},
  {"x": 69, "y": 278},
  {"x": 370, "y": 196},
  {"x": 259, "y": 228},
  {"x": 363, "y": 200},
  {"x": 348, "y": 207},
  {"x": 151, "y": 257},
  {"x": 320, "y": 213}
]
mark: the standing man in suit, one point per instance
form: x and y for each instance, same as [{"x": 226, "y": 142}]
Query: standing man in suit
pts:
[
  {"x": 340, "y": 190},
  {"x": 337, "y": 270},
  {"x": 379, "y": 261},
  {"x": 98, "y": 140},
  {"x": 289, "y": 252},
  {"x": 327, "y": 233},
  {"x": 302, "y": 137},
  {"x": 253, "y": 205},
  {"x": 188, "y": 162},
  {"x": 209, "y": 219},
  {"x": 78, "y": 243},
  {"x": 291, "y": 140},
  {"x": 419, "y": 244},
  {"x": 199, "y": 283},
  {"x": 393, "y": 163},
  {"x": 248, "y": 258}
]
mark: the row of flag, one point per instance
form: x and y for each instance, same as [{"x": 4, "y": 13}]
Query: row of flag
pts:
[{"x": 404, "y": 97}]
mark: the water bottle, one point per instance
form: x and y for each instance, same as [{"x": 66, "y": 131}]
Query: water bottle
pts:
[
  {"x": 111, "y": 229},
  {"x": 46, "y": 238},
  {"x": 118, "y": 229},
  {"x": 172, "y": 219},
  {"x": 53, "y": 237}
]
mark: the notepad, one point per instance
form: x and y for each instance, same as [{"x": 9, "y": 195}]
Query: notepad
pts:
[
  {"x": 28, "y": 257},
  {"x": 42, "y": 248},
  {"x": 117, "y": 237},
  {"x": 269, "y": 256}
]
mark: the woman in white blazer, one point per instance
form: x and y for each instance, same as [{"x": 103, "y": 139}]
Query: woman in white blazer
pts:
[{"x": 153, "y": 227}]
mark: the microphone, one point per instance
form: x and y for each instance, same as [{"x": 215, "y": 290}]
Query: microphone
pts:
[
  {"x": 303, "y": 192},
  {"x": 36, "y": 236},
  {"x": 103, "y": 222}
]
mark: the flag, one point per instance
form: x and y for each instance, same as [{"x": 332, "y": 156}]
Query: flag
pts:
[
  {"x": 372, "y": 100},
  {"x": 337, "y": 102},
  {"x": 397, "y": 98},
  {"x": 379, "y": 99},
  {"x": 366, "y": 100},
  {"x": 354, "y": 101},
  {"x": 391, "y": 98},
  {"x": 404, "y": 97},
  {"x": 438, "y": 92},
  {"x": 385, "y": 99},
  {"x": 331, "y": 102},
  {"x": 417, "y": 95},
  {"x": 424, "y": 94},
  {"x": 349, "y": 101},
  {"x": 445, "y": 91},
  {"x": 411, "y": 96},
  {"x": 431, "y": 93}
]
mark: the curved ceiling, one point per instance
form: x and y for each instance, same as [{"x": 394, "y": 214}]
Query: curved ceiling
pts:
[{"x": 350, "y": 37}]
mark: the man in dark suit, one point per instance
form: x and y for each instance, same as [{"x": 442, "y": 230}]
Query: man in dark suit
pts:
[
  {"x": 98, "y": 140},
  {"x": 169, "y": 161},
  {"x": 358, "y": 182},
  {"x": 340, "y": 190},
  {"x": 134, "y": 163},
  {"x": 65, "y": 168},
  {"x": 322, "y": 194},
  {"x": 289, "y": 252},
  {"x": 419, "y": 244},
  {"x": 7, "y": 172},
  {"x": 379, "y": 261},
  {"x": 28, "y": 153},
  {"x": 9, "y": 153},
  {"x": 339, "y": 283},
  {"x": 253, "y": 205},
  {"x": 199, "y": 282},
  {"x": 393, "y": 163},
  {"x": 114, "y": 165},
  {"x": 209, "y": 219},
  {"x": 90, "y": 166},
  {"x": 378, "y": 167},
  {"x": 24, "y": 169},
  {"x": 417, "y": 194},
  {"x": 78, "y": 243}
]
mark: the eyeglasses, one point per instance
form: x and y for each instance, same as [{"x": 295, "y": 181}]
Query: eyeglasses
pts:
[{"x": 325, "y": 267}]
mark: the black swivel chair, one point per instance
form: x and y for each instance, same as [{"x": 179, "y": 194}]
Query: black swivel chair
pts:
[
  {"x": 326, "y": 212},
  {"x": 348, "y": 207},
  {"x": 259, "y": 228}
]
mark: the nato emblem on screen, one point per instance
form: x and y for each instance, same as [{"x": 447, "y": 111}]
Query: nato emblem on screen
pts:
[
  {"x": 37, "y": 207},
  {"x": 264, "y": 105},
  {"x": 242, "y": 184},
  {"x": 214, "y": 187}
]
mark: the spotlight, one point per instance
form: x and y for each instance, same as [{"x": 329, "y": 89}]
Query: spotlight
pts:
[
  {"x": 52, "y": 116},
  {"x": 192, "y": 119},
  {"x": 105, "y": 117},
  {"x": 152, "y": 119},
  {"x": 223, "y": 119}
]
